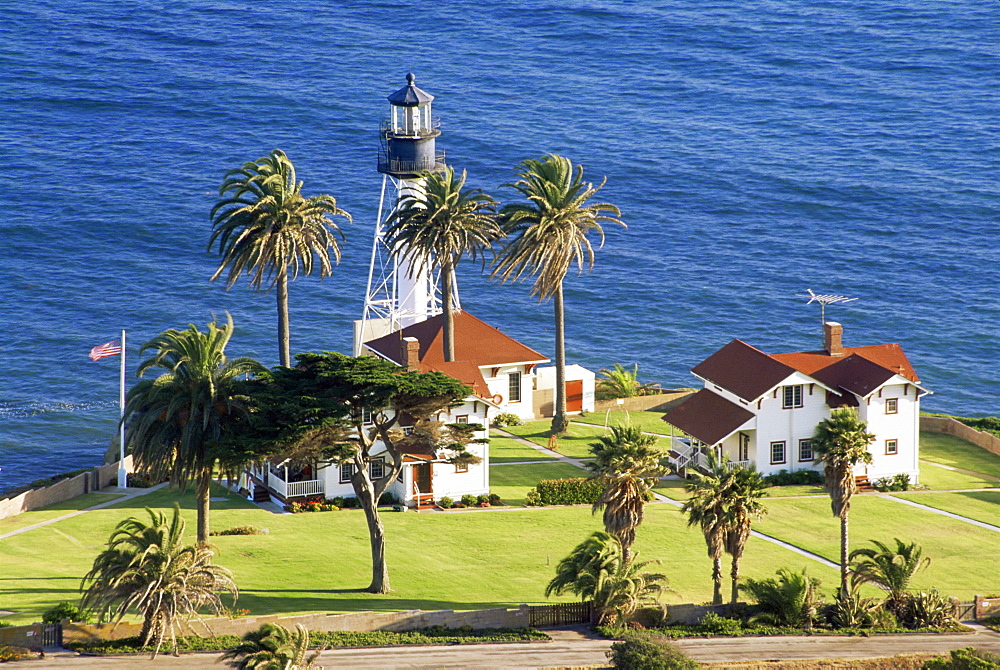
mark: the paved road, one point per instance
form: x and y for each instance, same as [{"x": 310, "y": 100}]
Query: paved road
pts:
[{"x": 573, "y": 648}]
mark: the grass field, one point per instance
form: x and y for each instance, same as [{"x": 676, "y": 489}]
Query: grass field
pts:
[
  {"x": 574, "y": 443},
  {"x": 508, "y": 450},
  {"x": 979, "y": 505},
  {"x": 648, "y": 421},
  {"x": 940, "y": 479},
  {"x": 964, "y": 559},
  {"x": 511, "y": 482},
  {"x": 949, "y": 450},
  {"x": 54, "y": 511}
]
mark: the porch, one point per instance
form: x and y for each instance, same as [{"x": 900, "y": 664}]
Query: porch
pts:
[{"x": 287, "y": 481}]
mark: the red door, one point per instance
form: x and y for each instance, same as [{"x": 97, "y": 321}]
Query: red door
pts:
[{"x": 574, "y": 395}]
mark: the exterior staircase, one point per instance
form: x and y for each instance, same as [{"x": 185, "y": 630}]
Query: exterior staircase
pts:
[{"x": 864, "y": 486}]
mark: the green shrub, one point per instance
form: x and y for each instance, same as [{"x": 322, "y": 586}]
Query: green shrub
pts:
[
  {"x": 506, "y": 419},
  {"x": 5, "y": 624},
  {"x": 797, "y": 478},
  {"x": 494, "y": 499},
  {"x": 968, "y": 658},
  {"x": 140, "y": 480},
  {"x": 65, "y": 610},
  {"x": 482, "y": 498},
  {"x": 446, "y": 503},
  {"x": 239, "y": 530},
  {"x": 351, "y": 502},
  {"x": 714, "y": 624},
  {"x": 572, "y": 491},
  {"x": 532, "y": 498},
  {"x": 928, "y": 610},
  {"x": 900, "y": 482},
  {"x": 647, "y": 653},
  {"x": 388, "y": 498},
  {"x": 469, "y": 500}
]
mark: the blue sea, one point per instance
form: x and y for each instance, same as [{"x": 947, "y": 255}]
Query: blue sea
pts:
[{"x": 756, "y": 150}]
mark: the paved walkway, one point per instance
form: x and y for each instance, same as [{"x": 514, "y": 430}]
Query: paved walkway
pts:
[
  {"x": 128, "y": 494},
  {"x": 964, "y": 472},
  {"x": 573, "y": 647},
  {"x": 950, "y": 515}
]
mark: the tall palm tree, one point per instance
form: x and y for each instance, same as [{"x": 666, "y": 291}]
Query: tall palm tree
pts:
[
  {"x": 628, "y": 464},
  {"x": 174, "y": 422},
  {"x": 266, "y": 229},
  {"x": 272, "y": 647},
  {"x": 547, "y": 235},
  {"x": 707, "y": 508},
  {"x": 890, "y": 569},
  {"x": 745, "y": 488},
  {"x": 841, "y": 442},
  {"x": 441, "y": 226},
  {"x": 597, "y": 570},
  {"x": 146, "y": 567}
]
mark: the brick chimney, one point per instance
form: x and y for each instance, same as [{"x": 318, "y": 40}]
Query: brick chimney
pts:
[
  {"x": 411, "y": 351},
  {"x": 833, "y": 334}
]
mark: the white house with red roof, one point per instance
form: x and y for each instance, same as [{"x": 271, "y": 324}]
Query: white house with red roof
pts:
[{"x": 763, "y": 408}]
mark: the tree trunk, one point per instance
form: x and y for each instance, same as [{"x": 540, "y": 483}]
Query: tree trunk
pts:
[
  {"x": 717, "y": 579},
  {"x": 202, "y": 494},
  {"x": 843, "y": 557},
  {"x": 449, "y": 315},
  {"x": 559, "y": 421},
  {"x": 284, "y": 332},
  {"x": 735, "y": 575},
  {"x": 376, "y": 538}
]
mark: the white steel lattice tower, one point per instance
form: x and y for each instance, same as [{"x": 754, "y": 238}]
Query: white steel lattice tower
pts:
[{"x": 399, "y": 295}]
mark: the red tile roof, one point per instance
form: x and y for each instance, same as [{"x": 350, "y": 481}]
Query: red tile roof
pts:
[
  {"x": 744, "y": 370},
  {"x": 708, "y": 416},
  {"x": 477, "y": 344},
  {"x": 888, "y": 356}
]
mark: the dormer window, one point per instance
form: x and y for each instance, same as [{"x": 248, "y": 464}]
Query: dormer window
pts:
[{"x": 791, "y": 396}]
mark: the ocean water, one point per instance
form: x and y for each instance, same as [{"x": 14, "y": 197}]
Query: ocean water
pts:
[{"x": 756, "y": 151}]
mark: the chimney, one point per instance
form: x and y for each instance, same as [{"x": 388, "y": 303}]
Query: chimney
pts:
[
  {"x": 833, "y": 334},
  {"x": 412, "y": 353}
]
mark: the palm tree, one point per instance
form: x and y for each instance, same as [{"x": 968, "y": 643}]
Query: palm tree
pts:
[
  {"x": 890, "y": 569},
  {"x": 841, "y": 443},
  {"x": 444, "y": 224},
  {"x": 175, "y": 421},
  {"x": 146, "y": 567},
  {"x": 790, "y": 600},
  {"x": 622, "y": 383},
  {"x": 707, "y": 508},
  {"x": 266, "y": 229},
  {"x": 597, "y": 570},
  {"x": 272, "y": 647},
  {"x": 548, "y": 234},
  {"x": 745, "y": 488},
  {"x": 628, "y": 464}
]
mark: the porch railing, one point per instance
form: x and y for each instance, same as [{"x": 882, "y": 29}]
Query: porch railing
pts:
[
  {"x": 285, "y": 489},
  {"x": 732, "y": 465}
]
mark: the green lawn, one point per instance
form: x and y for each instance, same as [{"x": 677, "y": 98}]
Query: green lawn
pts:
[
  {"x": 508, "y": 450},
  {"x": 939, "y": 479},
  {"x": 511, "y": 482},
  {"x": 648, "y": 421},
  {"x": 803, "y": 490},
  {"x": 949, "y": 450},
  {"x": 573, "y": 444},
  {"x": 979, "y": 505},
  {"x": 54, "y": 511},
  {"x": 964, "y": 558}
]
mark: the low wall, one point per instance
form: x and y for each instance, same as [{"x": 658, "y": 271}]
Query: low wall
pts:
[
  {"x": 500, "y": 617},
  {"x": 949, "y": 426},
  {"x": 987, "y": 607},
  {"x": 658, "y": 402},
  {"x": 66, "y": 489},
  {"x": 29, "y": 636}
]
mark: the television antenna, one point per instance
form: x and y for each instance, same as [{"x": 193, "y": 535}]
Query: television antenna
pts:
[{"x": 824, "y": 300}]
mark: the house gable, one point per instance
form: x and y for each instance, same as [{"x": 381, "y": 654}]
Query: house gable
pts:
[
  {"x": 743, "y": 370},
  {"x": 708, "y": 417}
]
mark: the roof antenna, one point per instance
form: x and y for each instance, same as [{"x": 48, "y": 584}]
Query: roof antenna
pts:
[{"x": 823, "y": 301}]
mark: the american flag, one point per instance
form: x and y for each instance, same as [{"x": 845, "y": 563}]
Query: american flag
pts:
[{"x": 112, "y": 348}]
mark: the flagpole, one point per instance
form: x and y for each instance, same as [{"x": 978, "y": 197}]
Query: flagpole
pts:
[{"x": 122, "y": 473}]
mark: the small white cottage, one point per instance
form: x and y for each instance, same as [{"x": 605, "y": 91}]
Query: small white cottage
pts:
[{"x": 763, "y": 408}]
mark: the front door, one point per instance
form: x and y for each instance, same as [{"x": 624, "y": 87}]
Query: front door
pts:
[
  {"x": 574, "y": 395},
  {"x": 422, "y": 477}
]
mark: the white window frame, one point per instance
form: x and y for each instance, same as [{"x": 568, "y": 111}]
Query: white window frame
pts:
[
  {"x": 514, "y": 386},
  {"x": 380, "y": 464},
  {"x": 791, "y": 396},
  {"x": 812, "y": 454},
  {"x": 895, "y": 447},
  {"x": 346, "y": 472},
  {"x": 784, "y": 452},
  {"x": 894, "y": 403}
]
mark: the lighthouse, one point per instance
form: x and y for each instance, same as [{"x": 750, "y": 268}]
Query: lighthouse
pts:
[{"x": 398, "y": 294}]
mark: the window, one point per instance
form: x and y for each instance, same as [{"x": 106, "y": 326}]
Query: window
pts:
[
  {"x": 366, "y": 415},
  {"x": 891, "y": 447},
  {"x": 346, "y": 472},
  {"x": 777, "y": 452},
  {"x": 514, "y": 387},
  {"x": 891, "y": 405},
  {"x": 462, "y": 466},
  {"x": 744, "y": 454},
  {"x": 376, "y": 468},
  {"x": 792, "y": 396},
  {"x": 463, "y": 418},
  {"x": 805, "y": 450}
]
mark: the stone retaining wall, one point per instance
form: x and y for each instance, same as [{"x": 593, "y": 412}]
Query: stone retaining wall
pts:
[
  {"x": 29, "y": 636},
  {"x": 500, "y": 617},
  {"x": 659, "y": 402},
  {"x": 66, "y": 489},
  {"x": 949, "y": 426}
]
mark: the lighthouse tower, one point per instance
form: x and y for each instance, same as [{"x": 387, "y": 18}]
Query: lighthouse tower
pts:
[{"x": 399, "y": 295}]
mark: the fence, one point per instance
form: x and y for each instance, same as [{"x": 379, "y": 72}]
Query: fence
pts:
[{"x": 562, "y": 614}]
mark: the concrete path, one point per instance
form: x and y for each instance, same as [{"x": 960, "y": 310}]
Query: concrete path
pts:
[
  {"x": 950, "y": 515},
  {"x": 544, "y": 450},
  {"x": 964, "y": 472},
  {"x": 573, "y": 647},
  {"x": 129, "y": 494}
]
